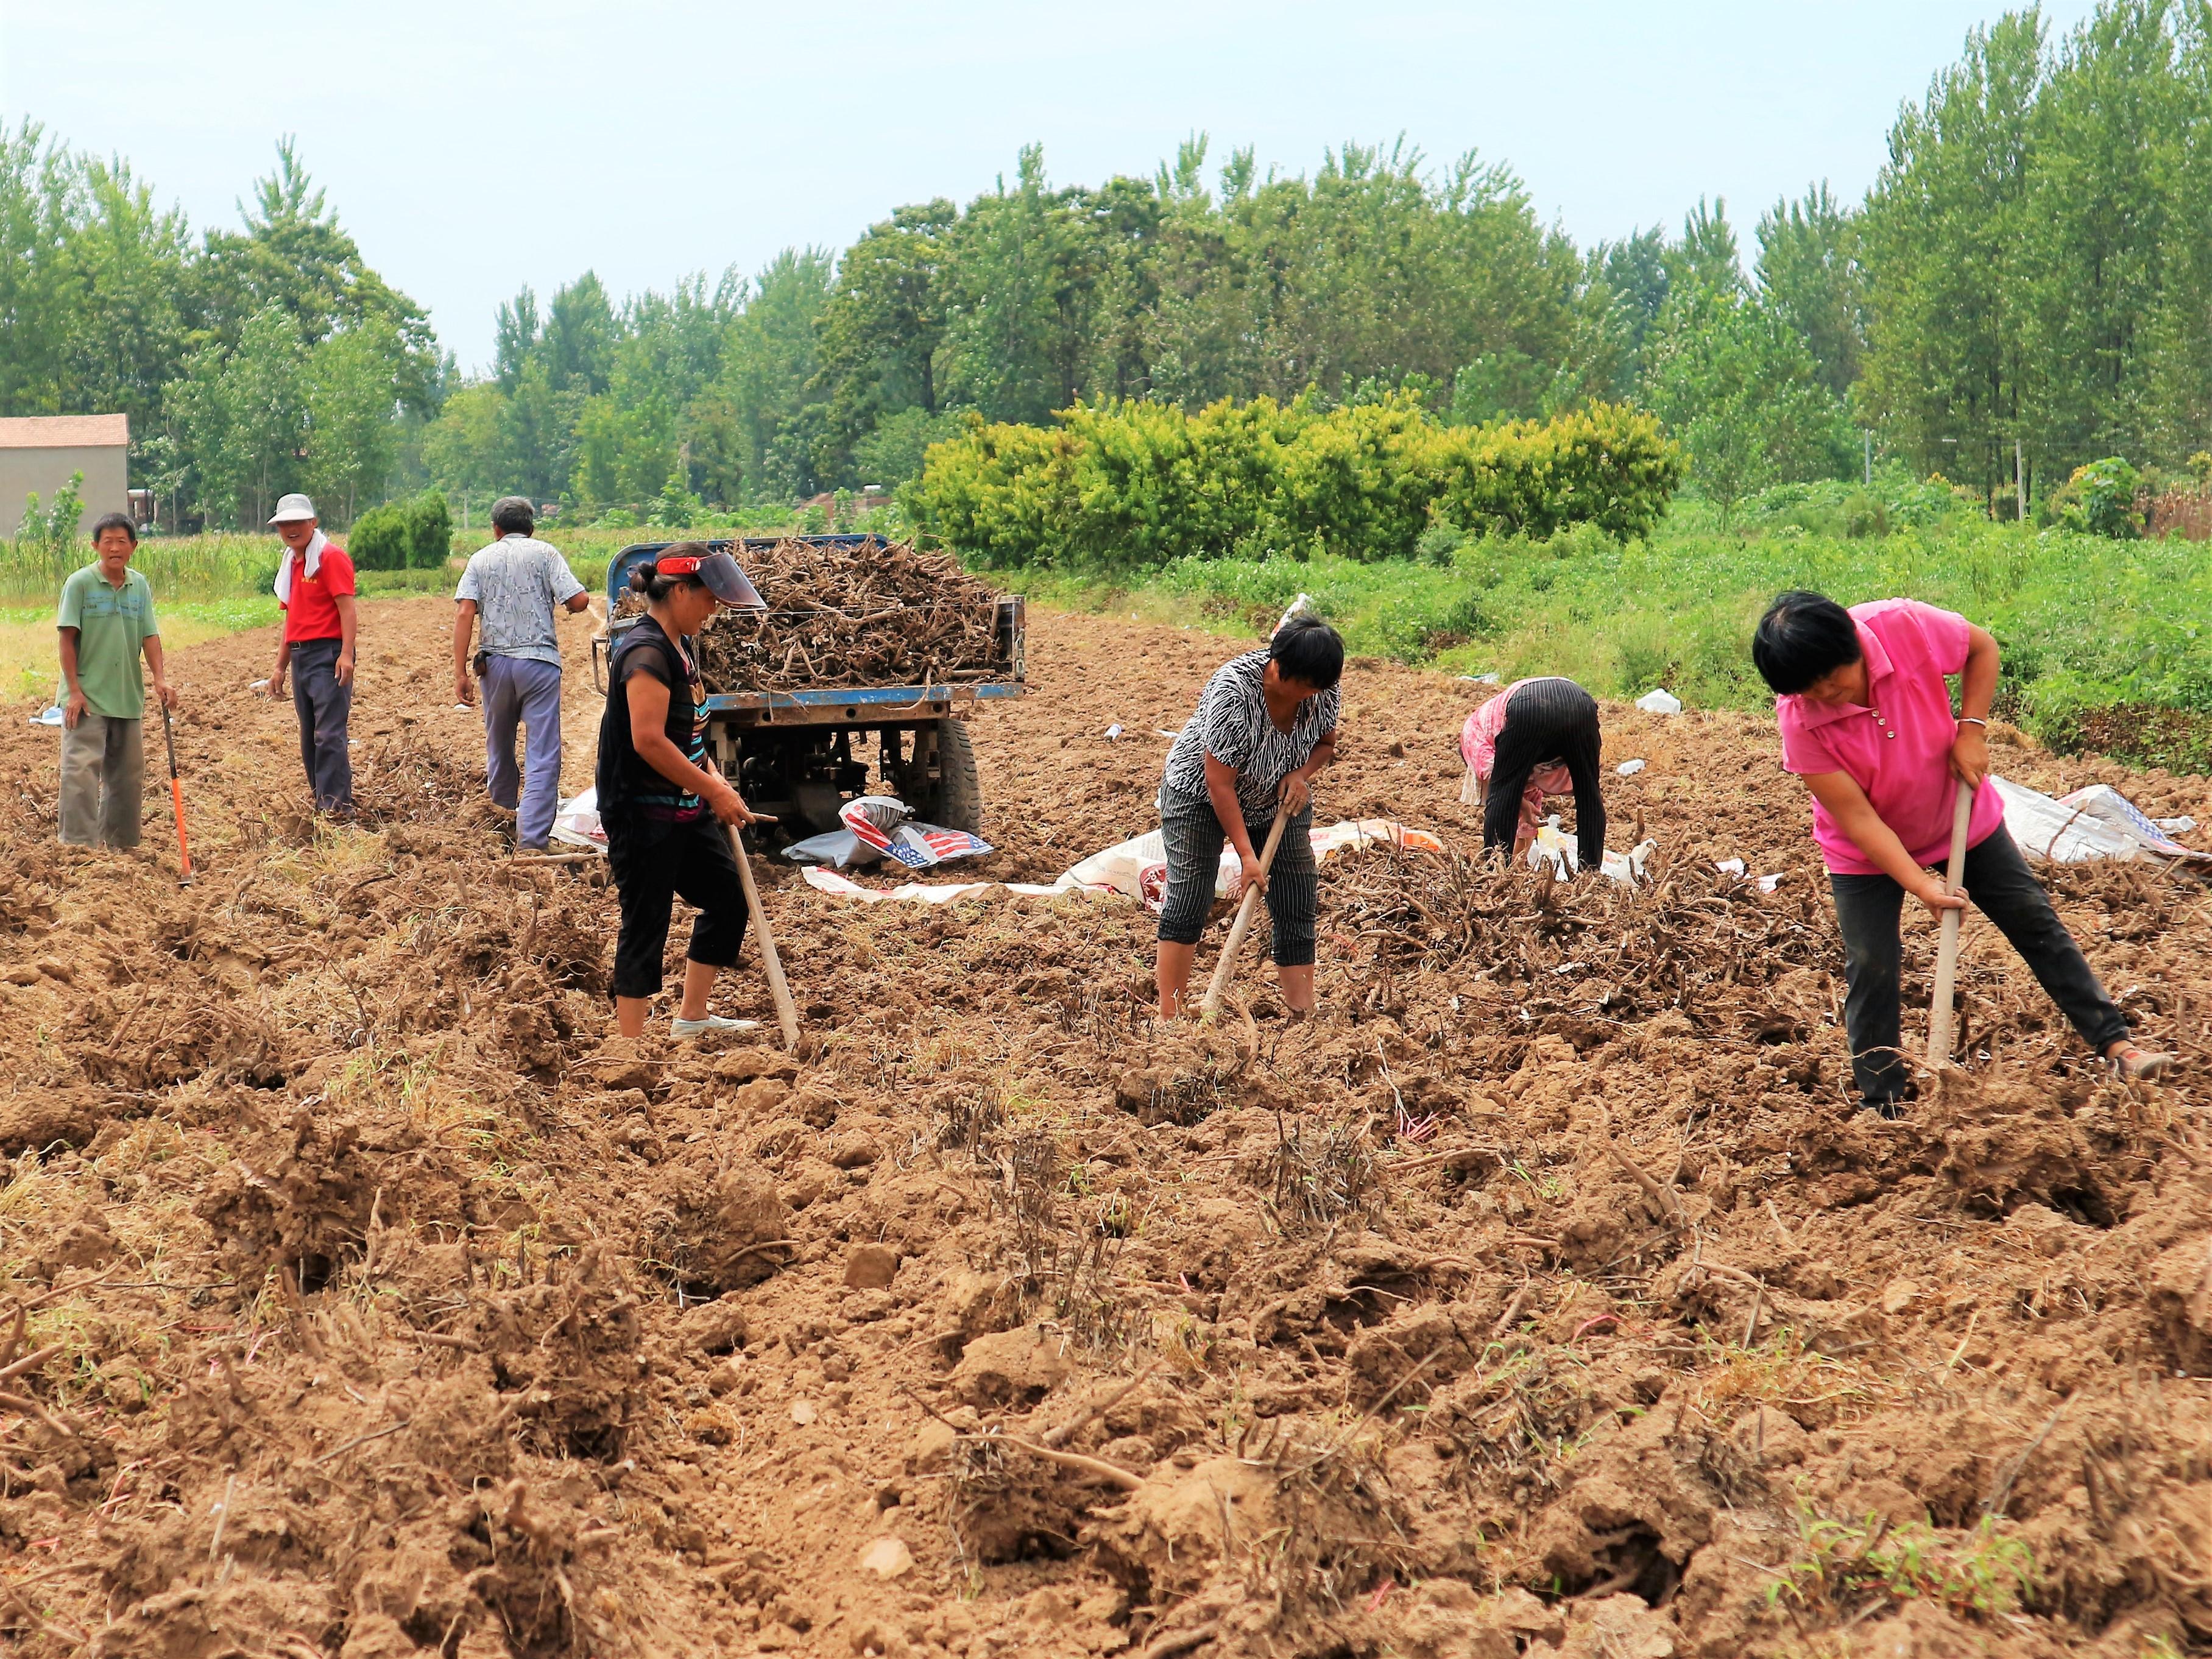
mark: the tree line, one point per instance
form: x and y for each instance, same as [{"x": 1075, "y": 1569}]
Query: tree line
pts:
[
  {"x": 251, "y": 361},
  {"x": 2032, "y": 267}
]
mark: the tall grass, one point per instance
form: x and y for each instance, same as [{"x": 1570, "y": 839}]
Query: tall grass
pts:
[
  {"x": 177, "y": 567},
  {"x": 235, "y": 564}
]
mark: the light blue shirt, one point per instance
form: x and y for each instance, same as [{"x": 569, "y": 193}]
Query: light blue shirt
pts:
[{"x": 518, "y": 583}]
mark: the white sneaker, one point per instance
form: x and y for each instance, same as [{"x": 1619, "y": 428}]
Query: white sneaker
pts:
[{"x": 691, "y": 1028}]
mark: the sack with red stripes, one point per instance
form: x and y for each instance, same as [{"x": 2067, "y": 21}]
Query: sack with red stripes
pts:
[{"x": 888, "y": 827}]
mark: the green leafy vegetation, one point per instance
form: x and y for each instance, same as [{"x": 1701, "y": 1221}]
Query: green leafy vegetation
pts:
[
  {"x": 416, "y": 534},
  {"x": 211, "y": 566},
  {"x": 251, "y": 361},
  {"x": 1136, "y": 486},
  {"x": 2104, "y": 644},
  {"x": 1982, "y": 1573}
]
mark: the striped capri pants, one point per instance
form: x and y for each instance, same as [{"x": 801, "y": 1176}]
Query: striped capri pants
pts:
[{"x": 1193, "y": 838}]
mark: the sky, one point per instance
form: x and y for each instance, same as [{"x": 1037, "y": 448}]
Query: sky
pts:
[{"x": 475, "y": 146}]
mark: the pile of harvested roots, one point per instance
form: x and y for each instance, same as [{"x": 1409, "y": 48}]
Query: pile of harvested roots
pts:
[
  {"x": 1692, "y": 937},
  {"x": 868, "y": 613}
]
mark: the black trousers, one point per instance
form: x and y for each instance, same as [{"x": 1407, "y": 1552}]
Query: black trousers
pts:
[
  {"x": 652, "y": 861},
  {"x": 1999, "y": 881}
]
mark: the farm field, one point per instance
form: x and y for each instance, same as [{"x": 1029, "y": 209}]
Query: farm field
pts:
[{"x": 1541, "y": 1296}]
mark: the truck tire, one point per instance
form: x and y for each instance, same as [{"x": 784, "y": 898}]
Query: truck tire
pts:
[{"x": 954, "y": 800}]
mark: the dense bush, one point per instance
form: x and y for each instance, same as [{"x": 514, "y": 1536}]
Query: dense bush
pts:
[
  {"x": 2099, "y": 500},
  {"x": 416, "y": 534},
  {"x": 1133, "y": 486}
]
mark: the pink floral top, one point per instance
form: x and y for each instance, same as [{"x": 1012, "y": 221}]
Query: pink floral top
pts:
[{"x": 1478, "y": 745}]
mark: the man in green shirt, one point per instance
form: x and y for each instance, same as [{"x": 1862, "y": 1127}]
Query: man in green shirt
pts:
[{"x": 106, "y": 619}]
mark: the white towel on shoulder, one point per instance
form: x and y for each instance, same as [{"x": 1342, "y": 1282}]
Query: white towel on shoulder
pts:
[{"x": 313, "y": 558}]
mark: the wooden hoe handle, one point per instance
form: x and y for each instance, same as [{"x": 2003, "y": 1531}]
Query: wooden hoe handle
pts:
[
  {"x": 1940, "y": 1023},
  {"x": 1238, "y": 929}
]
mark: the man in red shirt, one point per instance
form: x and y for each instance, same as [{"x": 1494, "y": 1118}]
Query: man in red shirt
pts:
[{"x": 315, "y": 584}]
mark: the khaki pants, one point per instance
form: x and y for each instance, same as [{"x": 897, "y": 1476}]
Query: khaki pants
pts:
[{"x": 103, "y": 777}]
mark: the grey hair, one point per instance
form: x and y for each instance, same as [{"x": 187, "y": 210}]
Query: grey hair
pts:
[{"x": 513, "y": 515}]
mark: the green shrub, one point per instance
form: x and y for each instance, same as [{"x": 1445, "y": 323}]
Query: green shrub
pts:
[
  {"x": 1133, "y": 486},
  {"x": 414, "y": 534},
  {"x": 378, "y": 540},
  {"x": 1865, "y": 513},
  {"x": 429, "y": 531},
  {"x": 2099, "y": 500}
]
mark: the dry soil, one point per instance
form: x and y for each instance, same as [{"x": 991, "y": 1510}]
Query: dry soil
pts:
[{"x": 1543, "y": 1296}]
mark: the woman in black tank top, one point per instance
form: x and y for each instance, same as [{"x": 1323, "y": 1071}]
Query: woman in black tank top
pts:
[{"x": 662, "y": 806}]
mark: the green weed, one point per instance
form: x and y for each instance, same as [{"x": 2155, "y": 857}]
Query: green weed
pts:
[{"x": 1982, "y": 1573}]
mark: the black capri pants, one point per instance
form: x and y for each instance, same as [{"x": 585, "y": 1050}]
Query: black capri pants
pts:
[
  {"x": 1996, "y": 877},
  {"x": 1194, "y": 839},
  {"x": 652, "y": 862}
]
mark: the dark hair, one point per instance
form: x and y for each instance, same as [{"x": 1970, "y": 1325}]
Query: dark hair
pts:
[
  {"x": 1308, "y": 650},
  {"x": 646, "y": 578},
  {"x": 1802, "y": 639},
  {"x": 115, "y": 521},
  {"x": 513, "y": 516}
]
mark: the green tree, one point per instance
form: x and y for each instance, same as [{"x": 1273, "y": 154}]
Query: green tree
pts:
[
  {"x": 1809, "y": 268},
  {"x": 1734, "y": 381},
  {"x": 1942, "y": 234},
  {"x": 883, "y": 322},
  {"x": 2104, "y": 169},
  {"x": 349, "y": 401},
  {"x": 240, "y": 415}
]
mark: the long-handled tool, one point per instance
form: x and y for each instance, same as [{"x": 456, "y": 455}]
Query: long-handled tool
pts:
[
  {"x": 786, "y": 1011},
  {"x": 1238, "y": 928},
  {"x": 176, "y": 797},
  {"x": 1947, "y": 950}
]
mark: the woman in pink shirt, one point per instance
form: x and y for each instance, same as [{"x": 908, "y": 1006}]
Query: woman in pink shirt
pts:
[{"x": 1866, "y": 721}]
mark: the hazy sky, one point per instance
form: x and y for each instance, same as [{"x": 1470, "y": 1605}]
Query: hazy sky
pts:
[{"x": 473, "y": 146}]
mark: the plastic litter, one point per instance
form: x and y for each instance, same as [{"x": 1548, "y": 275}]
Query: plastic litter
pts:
[
  {"x": 1629, "y": 769},
  {"x": 2181, "y": 826},
  {"x": 1660, "y": 702},
  {"x": 48, "y": 717},
  {"x": 1113, "y": 732},
  {"x": 576, "y": 823},
  {"x": 1742, "y": 871},
  {"x": 1135, "y": 869},
  {"x": 2095, "y": 822},
  {"x": 1627, "y": 868},
  {"x": 877, "y": 826},
  {"x": 1479, "y": 679},
  {"x": 1551, "y": 848},
  {"x": 930, "y": 892}
]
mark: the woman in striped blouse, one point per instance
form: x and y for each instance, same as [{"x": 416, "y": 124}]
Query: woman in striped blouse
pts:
[{"x": 1265, "y": 725}]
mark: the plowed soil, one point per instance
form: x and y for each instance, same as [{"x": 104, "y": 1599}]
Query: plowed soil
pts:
[{"x": 358, "y": 1296}]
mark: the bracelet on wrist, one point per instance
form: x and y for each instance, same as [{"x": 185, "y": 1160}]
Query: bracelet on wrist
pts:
[{"x": 1971, "y": 719}]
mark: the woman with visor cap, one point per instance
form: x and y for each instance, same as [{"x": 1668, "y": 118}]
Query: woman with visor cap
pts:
[{"x": 661, "y": 803}]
